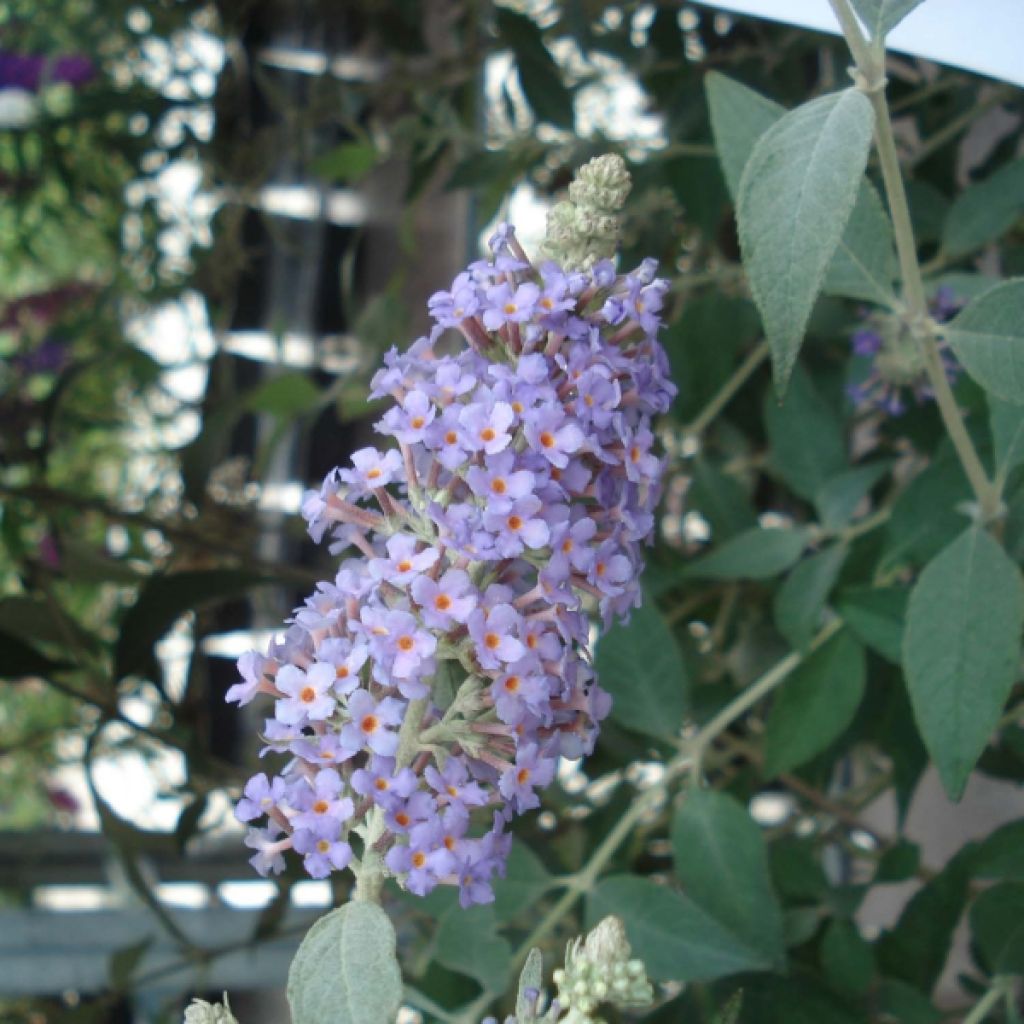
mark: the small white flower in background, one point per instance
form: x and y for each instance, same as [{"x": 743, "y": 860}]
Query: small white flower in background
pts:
[
  {"x": 200, "y": 1012},
  {"x": 18, "y": 108}
]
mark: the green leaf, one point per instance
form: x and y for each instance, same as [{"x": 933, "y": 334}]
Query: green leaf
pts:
[
  {"x": 904, "y": 1003},
  {"x": 899, "y": 863},
  {"x": 467, "y": 942},
  {"x": 675, "y": 938},
  {"x": 286, "y": 396},
  {"x": 1006, "y": 421},
  {"x": 864, "y": 265},
  {"x": 961, "y": 650},
  {"x": 800, "y": 601},
  {"x": 531, "y": 977},
  {"x": 846, "y": 959},
  {"x": 838, "y": 497},
  {"x": 757, "y": 554},
  {"x": 882, "y": 16},
  {"x": 526, "y": 880},
  {"x": 124, "y": 963},
  {"x": 641, "y": 666},
  {"x": 997, "y": 924},
  {"x": 539, "y": 75},
  {"x": 162, "y": 601},
  {"x": 720, "y": 857},
  {"x": 345, "y": 970},
  {"x": 985, "y": 210},
  {"x": 988, "y": 338},
  {"x": 795, "y": 198},
  {"x": 1001, "y": 854},
  {"x": 720, "y": 500},
  {"x": 18, "y": 659},
  {"x": 917, "y": 948},
  {"x": 739, "y": 117},
  {"x": 805, "y": 433},
  {"x": 815, "y": 705},
  {"x": 702, "y": 344},
  {"x": 926, "y": 517},
  {"x": 349, "y": 162}
]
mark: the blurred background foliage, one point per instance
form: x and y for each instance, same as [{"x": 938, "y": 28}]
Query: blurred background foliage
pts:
[{"x": 136, "y": 459}]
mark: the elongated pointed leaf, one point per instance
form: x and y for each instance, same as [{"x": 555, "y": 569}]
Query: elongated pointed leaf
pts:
[
  {"x": 795, "y": 197},
  {"x": 641, "y": 666},
  {"x": 531, "y": 981},
  {"x": 800, "y": 601},
  {"x": 985, "y": 210},
  {"x": 864, "y": 265},
  {"x": 961, "y": 648},
  {"x": 988, "y": 338},
  {"x": 539, "y": 75},
  {"x": 882, "y": 16},
  {"x": 1007, "y": 423},
  {"x": 675, "y": 938},
  {"x": 468, "y": 942},
  {"x": 739, "y": 117},
  {"x": 345, "y": 971},
  {"x": 816, "y": 703},
  {"x": 720, "y": 857},
  {"x": 757, "y": 554}
]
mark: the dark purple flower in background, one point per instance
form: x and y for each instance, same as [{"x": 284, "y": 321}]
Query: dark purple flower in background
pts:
[
  {"x": 888, "y": 364},
  {"x": 31, "y": 71}
]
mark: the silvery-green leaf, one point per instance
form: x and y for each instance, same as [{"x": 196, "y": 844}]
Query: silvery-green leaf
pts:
[
  {"x": 795, "y": 197},
  {"x": 345, "y": 970},
  {"x": 531, "y": 978},
  {"x": 739, "y": 117},
  {"x": 882, "y": 16},
  {"x": 864, "y": 266},
  {"x": 988, "y": 338},
  {"x": 1007, "y": 423},
  {"x": 961, "y": 649}
]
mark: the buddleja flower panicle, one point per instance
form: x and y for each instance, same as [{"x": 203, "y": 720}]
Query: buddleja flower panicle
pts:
[{"x": 431, "y": 687}]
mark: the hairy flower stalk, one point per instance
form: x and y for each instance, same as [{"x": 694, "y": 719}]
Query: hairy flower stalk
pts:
[{"x": 424, "y": 696}]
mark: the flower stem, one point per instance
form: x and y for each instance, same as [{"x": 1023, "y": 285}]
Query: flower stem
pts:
[
  {"x": 750, "y": 696},
  {"x": 870, "y": 79},
  {"x": 726, "y": 392},
  {"x": 988, "y": 1001}
]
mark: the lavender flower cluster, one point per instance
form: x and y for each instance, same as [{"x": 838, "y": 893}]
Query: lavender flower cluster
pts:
[
  {"x": 429, "y": 690},
  {"x": 890, "y": 363}
]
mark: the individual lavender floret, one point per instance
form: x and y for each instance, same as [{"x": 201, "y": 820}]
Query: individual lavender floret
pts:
[
  {"x": 424, "y": 696},
  {"x": 889, "y": 362}
]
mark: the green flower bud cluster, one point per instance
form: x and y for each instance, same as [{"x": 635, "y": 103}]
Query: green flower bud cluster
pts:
[
  {"x": 585, "y": 228},
  {"x": 599, "y": 970},
  {"x": 200, "y": 1012}
]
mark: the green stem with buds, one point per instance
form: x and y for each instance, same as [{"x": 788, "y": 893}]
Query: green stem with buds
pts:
[{"x": 870, "y": 78}]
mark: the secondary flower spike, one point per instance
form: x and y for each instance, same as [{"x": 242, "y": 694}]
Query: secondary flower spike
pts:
[{"x": 424, "y": 696}]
